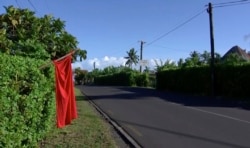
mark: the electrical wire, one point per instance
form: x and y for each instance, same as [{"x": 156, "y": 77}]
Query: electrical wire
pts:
[
  {"x": 228, "y": 5},
  {"x": 170, "y": 48},
  {"x": 217, "y": 5},
  {"x": 46, "y": 4},
  {"x": 32, "y": 5},
  {"x": 17, "y": 4},
  {"x": 127, "y": 48},
  {"x": 232, "y": 2},
  {"x": 177, "y": 27}
]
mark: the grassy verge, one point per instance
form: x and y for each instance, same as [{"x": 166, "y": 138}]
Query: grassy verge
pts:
[{"x": 88, "y": 130}]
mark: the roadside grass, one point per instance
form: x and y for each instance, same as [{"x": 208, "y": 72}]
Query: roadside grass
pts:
[{"x": 87, "y": 131}]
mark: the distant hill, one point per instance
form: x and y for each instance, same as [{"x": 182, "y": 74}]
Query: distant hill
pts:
[{"x": 239, "y": 51}]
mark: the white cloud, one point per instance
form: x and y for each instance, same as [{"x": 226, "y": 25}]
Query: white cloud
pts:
[
  {"x": 92, "y": 61},
  {"x": 106, "y": 58},
  {"x": 101, "y": 63}
]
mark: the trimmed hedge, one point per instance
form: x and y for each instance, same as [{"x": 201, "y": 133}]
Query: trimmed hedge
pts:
[
  {"x": 233, "y": 81},
  {"x": 189, "y": 80},
  {"x": 123, "y": 79},
  {"x": 230, "y": 81},
  {"x": 27, "y": 101}
]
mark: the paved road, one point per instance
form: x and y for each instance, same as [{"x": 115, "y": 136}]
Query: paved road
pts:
[{"x": 159, "y": 120}]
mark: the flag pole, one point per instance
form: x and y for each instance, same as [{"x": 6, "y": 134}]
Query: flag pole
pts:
[{"x": 47, "y": 64}]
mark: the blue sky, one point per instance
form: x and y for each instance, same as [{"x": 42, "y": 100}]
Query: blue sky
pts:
[{"x": 107, "y": 29}]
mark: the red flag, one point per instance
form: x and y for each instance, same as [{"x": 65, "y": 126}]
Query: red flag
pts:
[{"x": 65, "y": 96}]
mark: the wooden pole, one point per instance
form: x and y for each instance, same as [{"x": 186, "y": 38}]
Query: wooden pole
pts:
[
  {"x": 210, "y": 11},
  {"x": 47, "y": 64},
  {"x": 141, "y": 54}
]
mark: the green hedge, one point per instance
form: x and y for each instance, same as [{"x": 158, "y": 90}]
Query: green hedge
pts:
[
  {"x": 142, "y": 79},
  {"x": 230, "y": 81},
  {"x": 233, "y": 81},
  {"x": 123, "y": 79},
  {"x": 189, "y": 80},
  {"x": 27, "y": 101}
]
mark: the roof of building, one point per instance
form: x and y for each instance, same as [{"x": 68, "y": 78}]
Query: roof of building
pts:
[{"x": 239, "y": 51}]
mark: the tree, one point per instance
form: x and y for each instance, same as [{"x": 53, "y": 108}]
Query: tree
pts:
[
  {"x": 233, "y": 59},
  {"x": 205, "y": 57},
  {"x": 146, "y": 70},
  {"x": 132, "y": 57},
  {"x": 180, "y": 62},
  {"x": 193, "y": 60},
  {"x": 80, "y": 76},
  {"x": 169, "y": 64},
  {"x": 217, "y": 58},
  {"x": 22, "y": 33}
]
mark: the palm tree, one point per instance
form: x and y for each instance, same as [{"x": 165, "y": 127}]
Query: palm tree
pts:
[{"x": 132, "y": 57}]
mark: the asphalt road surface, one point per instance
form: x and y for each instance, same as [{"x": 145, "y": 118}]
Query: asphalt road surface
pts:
[{"x": 167, "y": 120}]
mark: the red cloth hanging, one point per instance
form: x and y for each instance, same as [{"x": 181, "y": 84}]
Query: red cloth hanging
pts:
[{"x": 65, "y": 96}]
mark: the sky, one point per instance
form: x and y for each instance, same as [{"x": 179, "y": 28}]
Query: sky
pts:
[{"x": 108, "y": 29}]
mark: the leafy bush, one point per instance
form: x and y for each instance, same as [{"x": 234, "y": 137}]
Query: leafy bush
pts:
[
  {"x": 27, "y": 101},
  {"x": 129, "y": 78},
  {"x": 190, "y": 80},
  {"x": 142, "y": 79},
  {"x": 117, "y": 79},
  {"x": 233, "y": 80},
  {"x": 230, "y": 80}
]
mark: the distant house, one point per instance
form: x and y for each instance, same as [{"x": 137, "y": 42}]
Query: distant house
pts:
[{"x": 239, "y": 51}]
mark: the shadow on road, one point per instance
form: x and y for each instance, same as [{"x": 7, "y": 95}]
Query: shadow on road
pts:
[
  {"x": 182, "y": 134},
  {"x": 184, "y": 99}
]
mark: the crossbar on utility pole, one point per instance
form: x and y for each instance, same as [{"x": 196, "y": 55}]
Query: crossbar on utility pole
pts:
[{"x": 210, "y": 12}]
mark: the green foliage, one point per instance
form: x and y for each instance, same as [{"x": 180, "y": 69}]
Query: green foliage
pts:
[
  {"x": 22, "y": 33},
  {"x": 231, "y": 80},
  {"x": 233, "y": 59},
  {"x": 27, "y": 101},
  {"x": 116, "y": 79},
  {"x": 197, "y": 59},
  {"x": 80, "y": 76},
  {"x": 142, "y": 79},
  {"x": 27, "y": 106},
  {"x": 123, "y": 78},
  {"x": 165, "y": 66},
  {"x": 132, "y": 57},
  {"x": 190, "y": 80},
  {"x": 193, "y": 60}
]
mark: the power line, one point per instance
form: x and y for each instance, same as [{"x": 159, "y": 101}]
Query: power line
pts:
[
  {"x": 177, "y": 27},
  {"x": 232, "y": 2},
  {"x": 32, "y": 5},
  {"x": 46, "y": 4},
  {"x": 18, "y": 4},
  {"x": 227, "y": 5},
  {"x": 170, "y": 48}
]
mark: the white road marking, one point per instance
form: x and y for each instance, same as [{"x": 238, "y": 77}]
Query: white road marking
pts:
[{"x": 220, "y": 115}]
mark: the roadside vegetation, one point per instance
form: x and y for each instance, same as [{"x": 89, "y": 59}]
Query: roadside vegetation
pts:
[
  {"x": 88, "y": 130},
  {"x": 27, "y": 99},
  {"x": 191, "y": 75},
  {"x": 27, "y": 102}
]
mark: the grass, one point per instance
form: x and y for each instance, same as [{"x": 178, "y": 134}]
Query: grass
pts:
[{"x": 87, "y": 131}]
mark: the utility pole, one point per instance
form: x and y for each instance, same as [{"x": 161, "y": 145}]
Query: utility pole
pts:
[
  {"x": 94, "y": 65},
  {"x": 210, "y": 12},
  {"x": 141, "y": 54}
]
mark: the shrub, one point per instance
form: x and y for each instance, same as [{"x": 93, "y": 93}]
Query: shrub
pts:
[
  {"x": 230, "y": 80},
  {"x": 129, "y": 78},
  {"x": 142, "y": 79},
  {"x": 190, "y": 80},
  {"x": 27, "y": 101}
]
